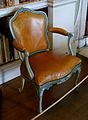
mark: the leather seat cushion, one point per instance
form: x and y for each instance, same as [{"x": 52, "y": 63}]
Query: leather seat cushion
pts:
[{"x": 50, "y": 65}]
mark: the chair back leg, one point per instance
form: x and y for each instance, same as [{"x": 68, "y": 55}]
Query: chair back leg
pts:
[{"x": 77, "y": 77}]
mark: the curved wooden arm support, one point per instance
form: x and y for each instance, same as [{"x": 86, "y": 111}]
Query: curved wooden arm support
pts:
[
  {"x": 31, "y": 74},
  {"x": 58, "y": 30},
  {"x": 69, "y": 44}
]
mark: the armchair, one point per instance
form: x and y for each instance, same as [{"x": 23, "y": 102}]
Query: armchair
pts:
[{"x": 42, "y": 66}]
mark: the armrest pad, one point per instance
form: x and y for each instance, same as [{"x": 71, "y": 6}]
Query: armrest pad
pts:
[
  {"x": 58, "y": 30},
  {"x": 18, "y": 46}
]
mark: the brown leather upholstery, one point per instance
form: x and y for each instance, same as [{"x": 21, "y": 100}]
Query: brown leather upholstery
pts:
[
  {"x": 48, "y": 66},
  {"x": 32, "y": 29}
]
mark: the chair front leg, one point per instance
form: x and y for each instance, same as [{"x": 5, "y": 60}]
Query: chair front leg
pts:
[
  {"x": 77, "y": 77},
  {"x": 40, "y": 95},
  {"x": 22, "y": 84}
]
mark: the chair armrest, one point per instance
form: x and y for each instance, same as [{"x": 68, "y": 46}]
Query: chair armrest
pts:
[
  {"x": 65, "y": 33},
  {"x": 21, "y": 49},
  {"x": 58, "y": 30},
  {"x": 18, "y": 46}
]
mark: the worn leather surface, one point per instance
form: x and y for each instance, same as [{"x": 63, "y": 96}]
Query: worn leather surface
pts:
[
  {"x": 29, "y": 29},
  {"x": 58, "y": 30},
  {"x": 48, "y": 66}
]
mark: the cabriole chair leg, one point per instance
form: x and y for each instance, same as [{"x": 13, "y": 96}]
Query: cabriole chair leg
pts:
[
  {"x": 40, "y": 100},
  {"x": 77, "y": 77},
  {"x": 22, "y": 84}
]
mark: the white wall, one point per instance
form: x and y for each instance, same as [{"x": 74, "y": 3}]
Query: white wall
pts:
[
  {"x": 64, "y": 19},
  {"x": 62, "y": 14}
]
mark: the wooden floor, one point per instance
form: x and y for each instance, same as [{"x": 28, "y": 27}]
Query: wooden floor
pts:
[
  {"x": 16, "y": 106},
  {"x": 73, "y": 107}
]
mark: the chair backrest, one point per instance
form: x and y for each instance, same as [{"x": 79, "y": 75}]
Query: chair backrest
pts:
[{"x": 30, "y": 28}]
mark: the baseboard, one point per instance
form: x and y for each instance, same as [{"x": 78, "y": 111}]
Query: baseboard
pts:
[{"x": 9, "y": 71}]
